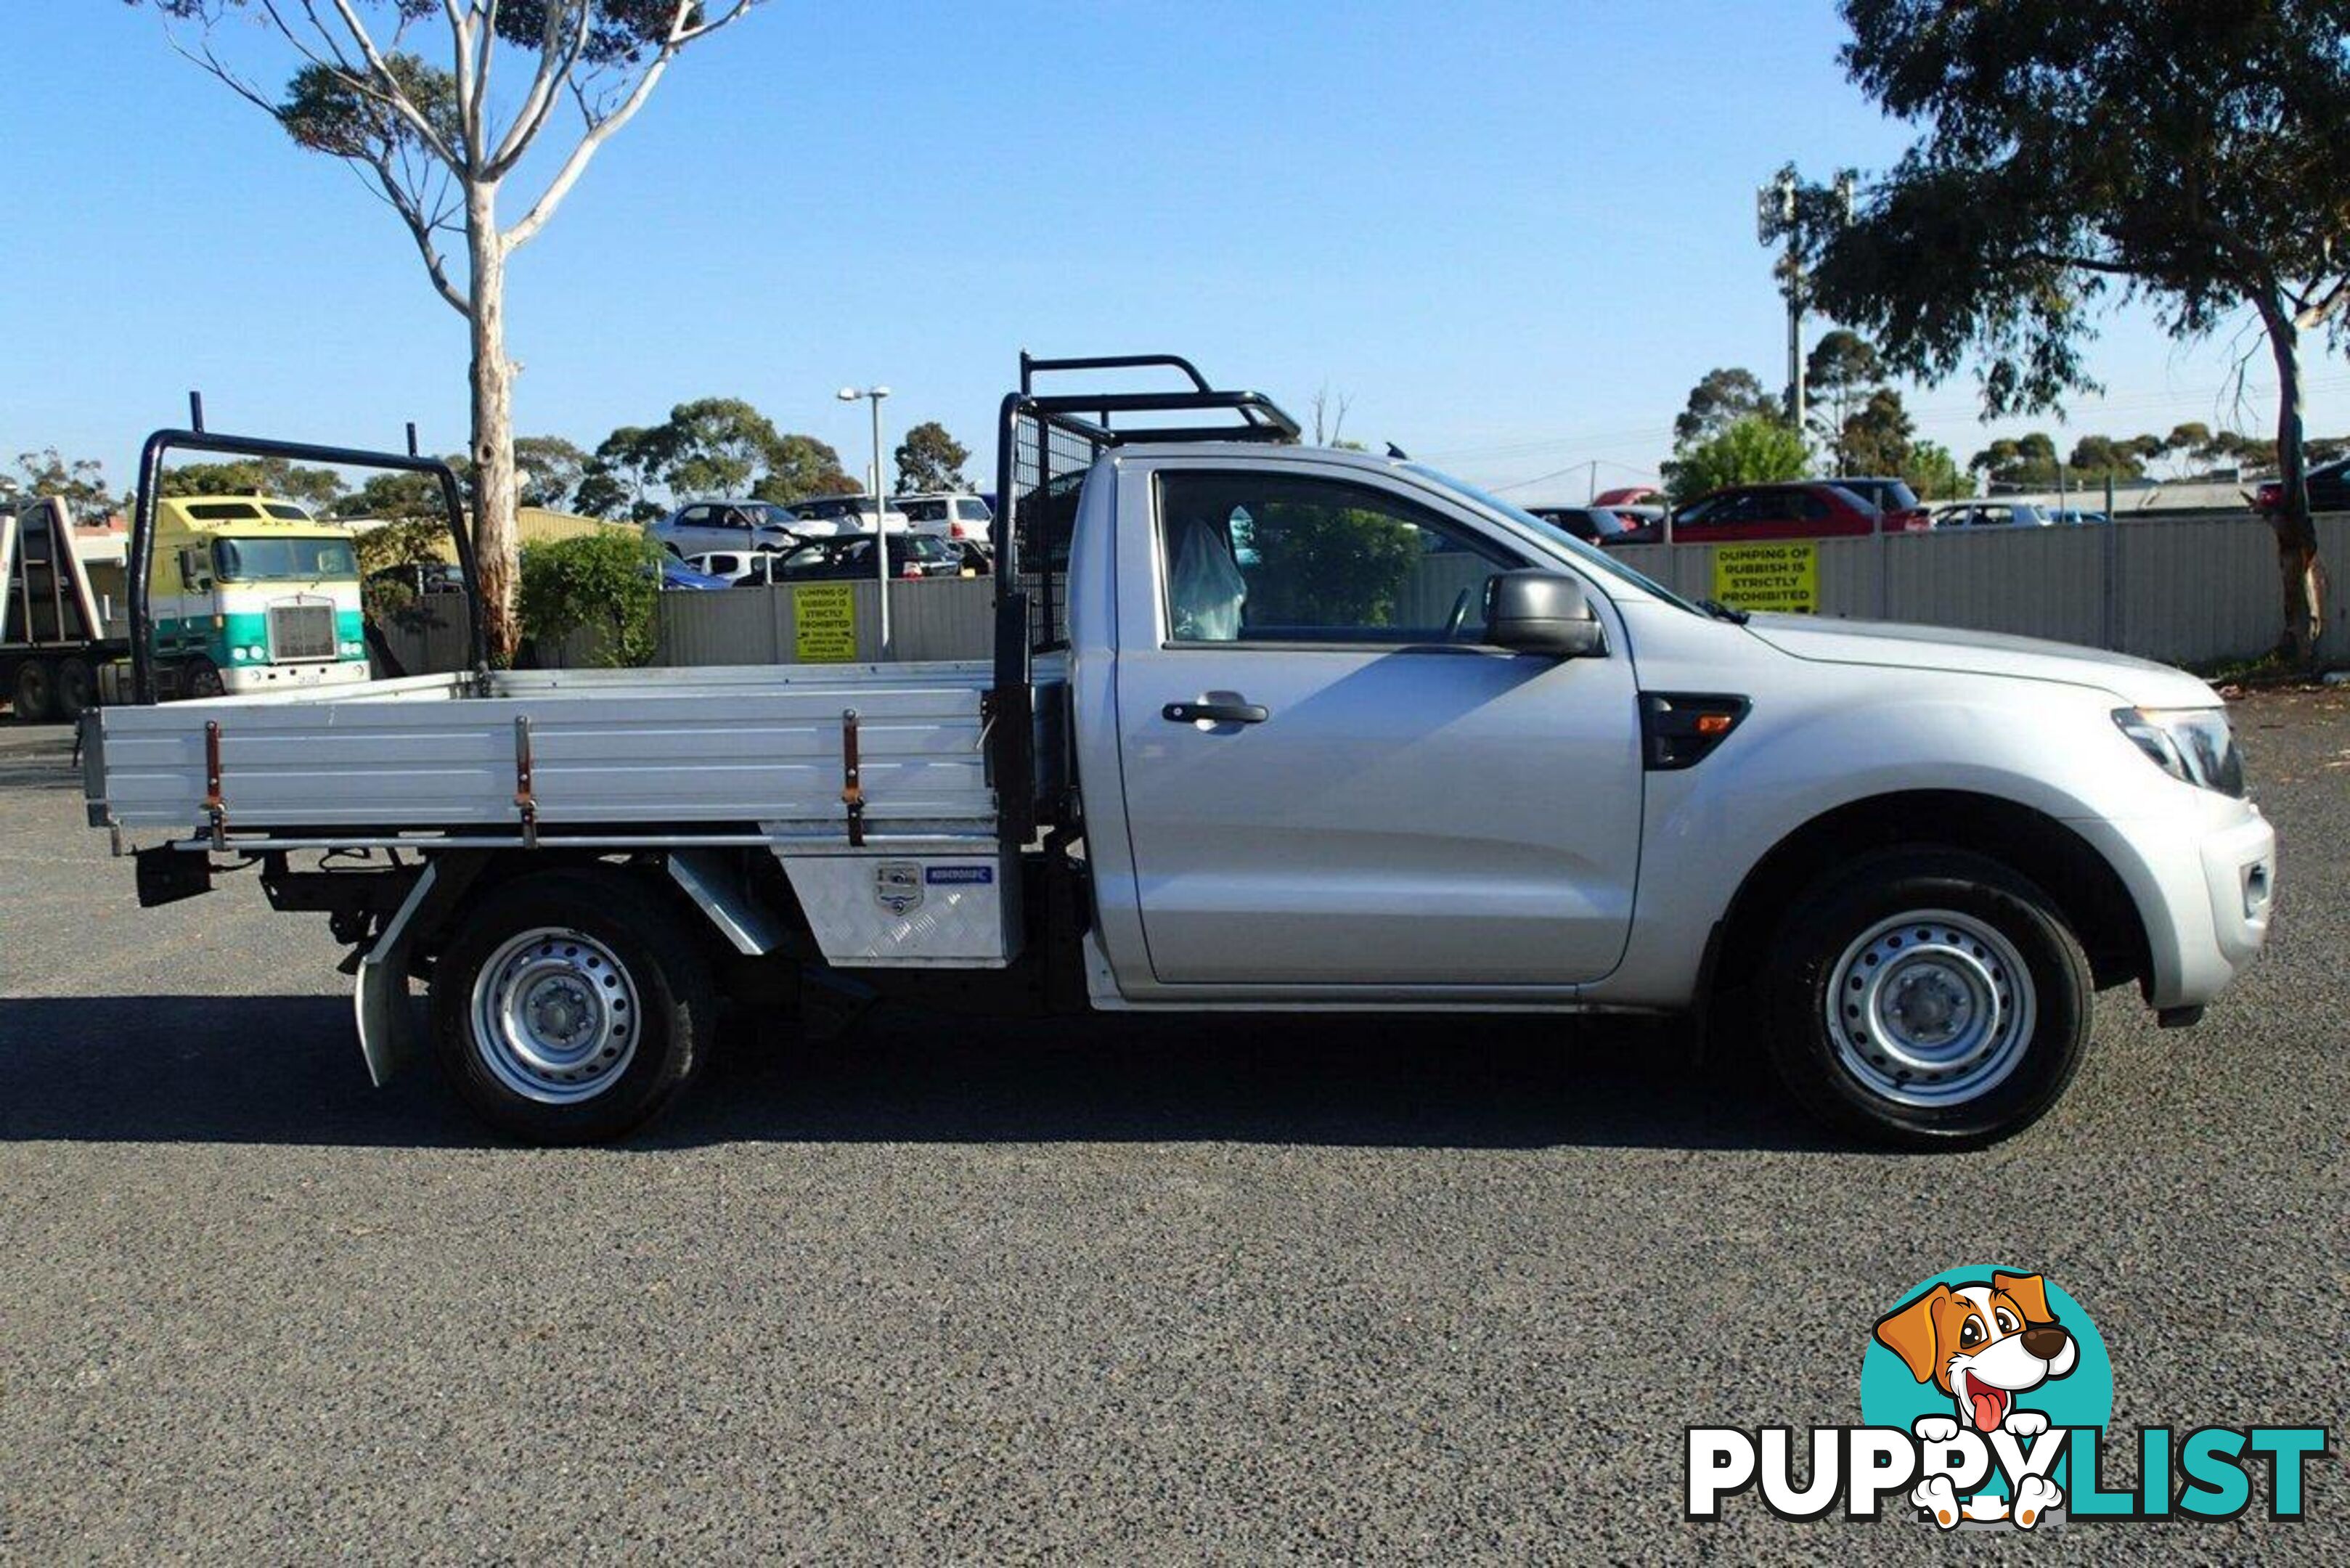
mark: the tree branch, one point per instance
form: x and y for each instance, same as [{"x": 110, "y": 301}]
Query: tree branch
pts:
[
  {"x": 410, "y": 205},
  {"x": 557, "y": 57},
  {"x": 601, "y": 131},
  {"x": 388, "y": 92}
]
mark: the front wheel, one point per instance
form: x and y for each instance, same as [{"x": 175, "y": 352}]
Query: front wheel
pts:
[
  {"x": 200, "y": 677},
  {"x": 1929, "y": 999},
  {"x": 571, "y": 1007}
]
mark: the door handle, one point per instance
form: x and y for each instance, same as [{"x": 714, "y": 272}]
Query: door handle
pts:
[{"x": 1232, "y": 711}]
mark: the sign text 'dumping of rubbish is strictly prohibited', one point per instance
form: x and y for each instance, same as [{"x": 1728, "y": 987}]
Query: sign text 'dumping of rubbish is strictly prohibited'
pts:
[{"x": 1782, "y": 577}]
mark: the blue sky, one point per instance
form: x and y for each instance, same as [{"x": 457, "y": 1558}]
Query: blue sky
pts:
[{"x": 1514, "y": 234}]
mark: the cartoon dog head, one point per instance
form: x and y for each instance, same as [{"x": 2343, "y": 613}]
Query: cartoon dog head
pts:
[{"x": 1981, "y": 1344}]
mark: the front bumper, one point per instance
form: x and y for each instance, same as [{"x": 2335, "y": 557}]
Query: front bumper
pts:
[
  {"x": 2204, "y": 889},
  {"x": 238, "y": 678}
]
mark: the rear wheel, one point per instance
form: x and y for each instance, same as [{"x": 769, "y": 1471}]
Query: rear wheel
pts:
[
  {"x": 1926, "y": 998},
  {"x": 36, "y": 692},
  {"x": 200, "y": 677},
  {"x": 77, "y": 687},
  {"x": 570, "y": 1007}
]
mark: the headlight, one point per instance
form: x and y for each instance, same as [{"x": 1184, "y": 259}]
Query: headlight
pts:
[{"x": 2194, "y": 745}]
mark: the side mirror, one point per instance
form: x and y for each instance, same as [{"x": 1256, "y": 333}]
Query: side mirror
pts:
[
  {"x": 1542, "y": 612},
  {"x": 195, "y": 571}
]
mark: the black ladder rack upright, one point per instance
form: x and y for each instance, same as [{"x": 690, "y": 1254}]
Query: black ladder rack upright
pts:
[{"x": 1045, "y": 444}]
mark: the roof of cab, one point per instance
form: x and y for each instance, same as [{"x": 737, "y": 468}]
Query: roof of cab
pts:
[{"x": 208, "y": 512}]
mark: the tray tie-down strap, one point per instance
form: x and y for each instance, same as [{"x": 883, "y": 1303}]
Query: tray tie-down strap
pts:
[{"x": 852, "y": 784}]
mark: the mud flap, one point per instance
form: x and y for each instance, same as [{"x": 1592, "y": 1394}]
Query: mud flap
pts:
[{"x": 387, "y": 1024}]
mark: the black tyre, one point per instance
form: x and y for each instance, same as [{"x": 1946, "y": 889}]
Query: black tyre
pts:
[
  {"x": 1926, "y": 998},
  {"x": 34, "y": 698},
  {"x": 571, "y": 1006},
  {"x": 77, "y": 687},
  {"x": 200, "y": 677}
]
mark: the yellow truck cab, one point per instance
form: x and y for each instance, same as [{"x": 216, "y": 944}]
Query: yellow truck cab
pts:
[{"x": 252, "y": 593}]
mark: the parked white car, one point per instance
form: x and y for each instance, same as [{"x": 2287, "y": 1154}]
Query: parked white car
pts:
[
  {"x": 824, "y": 516},
  {"x": 699, "y": 527},
  {"x": 1993, "y": 515},
  {"x": 732, "y": 565},
  {"x": 949, "y": 515}
]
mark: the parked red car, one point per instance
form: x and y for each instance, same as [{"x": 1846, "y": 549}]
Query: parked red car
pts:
[
  {"x": 1811, "y": 510},
  {"x": 1628, "y": 495}
]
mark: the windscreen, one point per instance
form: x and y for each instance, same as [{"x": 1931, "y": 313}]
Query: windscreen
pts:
[
  {"x": 1585, "y": 555},
  {"x": 282, "y": 560}
]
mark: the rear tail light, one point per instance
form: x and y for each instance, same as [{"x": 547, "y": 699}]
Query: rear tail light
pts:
[{"x": 910, "y": 569}]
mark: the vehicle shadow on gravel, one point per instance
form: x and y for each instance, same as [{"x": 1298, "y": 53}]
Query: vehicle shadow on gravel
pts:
[{"x": 287, "y": 1070}]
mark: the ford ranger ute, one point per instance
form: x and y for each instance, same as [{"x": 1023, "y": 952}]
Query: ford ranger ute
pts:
[{"x": 1265, "y": 727}]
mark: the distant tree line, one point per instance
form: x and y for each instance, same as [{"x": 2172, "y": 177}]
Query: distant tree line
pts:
[
  {"x": 1735, "y": 430},
  {"x": 709, "y": 447}
]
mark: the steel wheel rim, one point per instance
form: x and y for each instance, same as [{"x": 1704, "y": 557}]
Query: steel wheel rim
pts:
[
  {"x": 555, "y": 1017},
  {"x": 1931, "y": 1008}
]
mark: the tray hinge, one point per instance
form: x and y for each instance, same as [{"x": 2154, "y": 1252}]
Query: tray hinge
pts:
[
  {"x": 852, "y": 785},
  {"x": 215, "y": 808},
  {"x": 525, "y": 801}
]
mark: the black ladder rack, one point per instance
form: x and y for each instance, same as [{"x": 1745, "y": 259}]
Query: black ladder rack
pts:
[{"x": 1047, "y": 443}]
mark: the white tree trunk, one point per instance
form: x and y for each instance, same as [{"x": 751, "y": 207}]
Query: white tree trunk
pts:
[{"x": 494, "y": 543}]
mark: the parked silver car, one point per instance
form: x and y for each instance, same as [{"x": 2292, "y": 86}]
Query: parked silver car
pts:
[{"x": 699, "y": 527}]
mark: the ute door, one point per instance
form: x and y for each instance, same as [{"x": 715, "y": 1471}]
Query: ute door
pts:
[{"x": 1329, "y": 779}]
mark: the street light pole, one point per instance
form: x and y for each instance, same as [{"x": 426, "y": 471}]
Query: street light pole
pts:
[{"x": 880, "y": 511}]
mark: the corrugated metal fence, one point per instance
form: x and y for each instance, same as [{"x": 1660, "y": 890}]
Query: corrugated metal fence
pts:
[
  {"x": 2189, "y": 591},
  {"x": 2181, "y": 591}
]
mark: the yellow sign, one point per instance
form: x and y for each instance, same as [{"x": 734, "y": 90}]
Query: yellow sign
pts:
[
  {"x": 823, "y": 623},
  {"x": 1784, "y": 577}
]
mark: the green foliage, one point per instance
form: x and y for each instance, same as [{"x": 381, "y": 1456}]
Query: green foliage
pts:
[
  {"x": 385, "y": 591},
  {"x": 1876, "y": 438},
  {"x": 318, "y": 488},
  {"x": 2078, "y": 150},
  {"x": 79, "y": 482},
  {"x": 1841, "y": 372},
  {"x": 1756, "y": 450},
  {"x": 1934, "y": 473},
  {"x": 323, "y": 110},
  {"x": 930, "y": 458},
  {"x": 626, "y": 466},
  {"x": 396, "y": 496},
  {"x": 607, "y": 582},
  {"x": 2096, "y": 457},
  {"x": 1722, "y": 399},
  {"x": 712, "y": 446},
  {"x": 800, "y": 466},
  {"x": 2027, "y": 463},
  {"x": 1322, "y": 566},
  {"x": 550, "y": 469}
]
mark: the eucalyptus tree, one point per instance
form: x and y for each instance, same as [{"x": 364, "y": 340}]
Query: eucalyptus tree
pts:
[{"x": 425, "y": 131}]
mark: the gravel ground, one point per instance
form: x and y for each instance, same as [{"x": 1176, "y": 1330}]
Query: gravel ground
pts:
[{"x": 1105, "y": 1291}]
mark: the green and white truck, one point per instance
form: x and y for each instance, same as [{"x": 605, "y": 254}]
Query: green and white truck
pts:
[{"x": 252, "y": 593}]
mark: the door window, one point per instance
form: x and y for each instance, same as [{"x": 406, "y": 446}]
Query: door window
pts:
[{"x": 1274, "y": 557}]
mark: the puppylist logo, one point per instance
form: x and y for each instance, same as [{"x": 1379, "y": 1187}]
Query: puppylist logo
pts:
[{"x": 1984, "y": 1398}]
